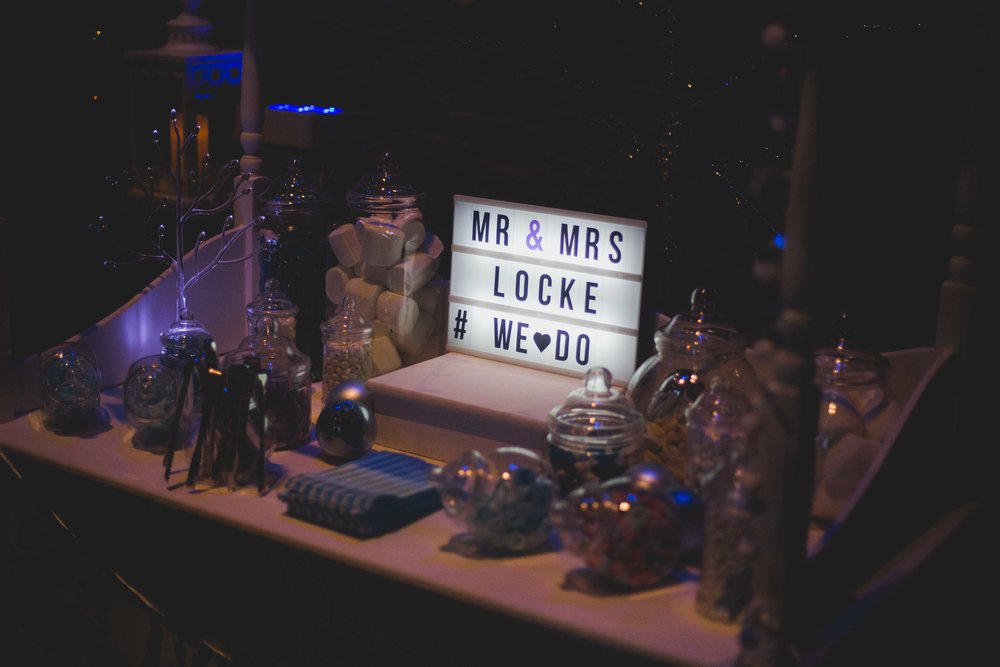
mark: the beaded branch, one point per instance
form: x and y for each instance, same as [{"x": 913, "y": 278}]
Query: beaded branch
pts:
[{"x": 195, "y": 197}]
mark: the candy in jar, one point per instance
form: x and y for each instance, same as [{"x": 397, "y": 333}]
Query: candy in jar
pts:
[
  {"x": 503, "y": 500},
  {"x": 347, "y": 347},
  {"x": 691, "y": 349},
  {"x": 288, "y": 388},
  {"x": 630, "y": 530}
]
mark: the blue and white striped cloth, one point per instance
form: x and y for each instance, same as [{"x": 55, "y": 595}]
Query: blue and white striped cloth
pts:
[{"x": 377, "y": 493}]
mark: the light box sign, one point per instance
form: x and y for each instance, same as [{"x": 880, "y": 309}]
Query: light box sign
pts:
[{"x": 544, "y": 287}]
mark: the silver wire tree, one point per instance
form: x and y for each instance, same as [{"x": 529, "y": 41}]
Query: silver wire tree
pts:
[{"x": 195, "y": 197}]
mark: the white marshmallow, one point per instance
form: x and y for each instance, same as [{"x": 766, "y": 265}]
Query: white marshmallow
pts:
[
  {"x": 414, "y": 233},
  {"x": 406, "y": 216},
  {"x": 381, "y": 243},
  {"x": 346, "y": 245},
  {"x": 385, "y": 357},
  {"x": 398, "y": 312},
  {"x": 430, "y": 296},
  {"x": 411, "y": 274},
  {"x": 412, "y": 342},
  {"x": 336, "y": 282},
  {"x": 379, "y": 328},
  {"x": 365, "y": 296},
  {"x": 433, "y": 245},
  {"x": 372, "y": 273}
]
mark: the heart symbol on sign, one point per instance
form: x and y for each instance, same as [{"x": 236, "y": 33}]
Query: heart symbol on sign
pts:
[{"x": 542, "y": 341}]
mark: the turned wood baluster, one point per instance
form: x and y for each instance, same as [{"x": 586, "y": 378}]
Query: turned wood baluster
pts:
[{"x": 786, "y": 430}]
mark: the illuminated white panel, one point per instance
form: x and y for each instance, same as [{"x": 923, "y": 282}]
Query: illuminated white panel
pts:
[
  {"x": 586, "y": 241},
  {"x": 530, "y": 340},
  {"x": 544, "y": 287},
  {"x": 553, "y": 290}
]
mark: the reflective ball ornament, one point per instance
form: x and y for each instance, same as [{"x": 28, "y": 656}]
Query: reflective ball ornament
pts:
[{"x": 346, "y": 426}]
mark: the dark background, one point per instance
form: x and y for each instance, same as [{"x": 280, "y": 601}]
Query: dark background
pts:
[{"x": 675, "y": 113}]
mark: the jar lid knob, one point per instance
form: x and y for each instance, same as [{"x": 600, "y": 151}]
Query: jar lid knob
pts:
[{"x": 597, "y": 382}]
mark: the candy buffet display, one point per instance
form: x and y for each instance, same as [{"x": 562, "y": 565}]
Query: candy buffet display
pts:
[{"x": 347, "y": 347}]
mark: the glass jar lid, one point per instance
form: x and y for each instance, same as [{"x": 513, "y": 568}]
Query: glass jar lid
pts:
[
  {"x": 277, "y": 354},
  {"x": 845, "y": 362},
  {"x": 597, "y": 415},
  {"x": 272, "y": 301},
  {"x": 294, "y": 194},
  {"x": 702, "y": 332},
  {"x": 346, "y": 323},
  {"x": 385, "y": 189}
]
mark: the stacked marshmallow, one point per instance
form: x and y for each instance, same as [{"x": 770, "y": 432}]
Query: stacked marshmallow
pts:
[{"x": 387, "y": 264}]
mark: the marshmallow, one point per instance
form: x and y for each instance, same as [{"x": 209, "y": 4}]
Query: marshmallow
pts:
[
  {"x": 381, "y": 243},
  {"x": 399, "y": 313},
  {"x": 346, "y": 245},
  {"x": 411, "y": 274},
  {"x": 415, "y": 233},
  {"x": 406, "y": 216},
  {"x": 365, "y": 296},
  {"x": 433, "y": 245},
  {"x": 379, "y": 328},
  {"x": 372, "y": 273},
  {"x": 385, "y": 357},
  {"x": 336, "y": 282},
  {"x": 430, "y": 296},
  {"x": 412, "y": 342}
]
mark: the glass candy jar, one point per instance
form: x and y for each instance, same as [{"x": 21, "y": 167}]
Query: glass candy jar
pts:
[
  {"x": 387, "y": 259},
  {"x": 272, "y": 301},
  {"x": 288, "y": 386},
  {"x": 504, "y": 499},
  {"x": 630, "y": 529},
  {"x": 297, "y": 218},
  {"x": 71, "y": 388},
  {"x": 347, "y": 347},
  {"x": 690, "y": 350},
  {"x": 150, "y": 394},
  {"x": 596, "y": 434},
  {"x": 856, "y": 413}
]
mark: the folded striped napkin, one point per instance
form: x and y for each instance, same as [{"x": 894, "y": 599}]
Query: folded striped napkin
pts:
[{"x": 377, "y": 493}]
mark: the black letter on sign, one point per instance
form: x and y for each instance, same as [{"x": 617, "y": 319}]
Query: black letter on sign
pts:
[
  {"x": 521, "y": 285},
  {"x": 583, "y": 350},
  {"x": 565, "y": 297},
  {"x": 544, "y": 281},
  {"x": 496, "y": 281},
  {"x": 589, "y": 298},
  {"x": 503, "y": 222},
  {"x": 502, "y": 330},
  {"x": 615, "y": 256},
  {"x": 562, "y": 345},
  {"x": 481, "y": 232},
  {"x": 592, "y": 237},
  {"x": 521, "y": 337},
  {"x": 569, "y": 242}
]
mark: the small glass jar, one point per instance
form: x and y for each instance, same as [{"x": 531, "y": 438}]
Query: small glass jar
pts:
[
  {"x": 596, "y": 434},
  {"x": 71, "y": 388},
  {"x": 347, "y": 347},
  {"x": 690, "y": 350},
  {"x": 288, "y": 386},
  {"x": 150, "y": 395},
  {"x": 272, "y": 301}
]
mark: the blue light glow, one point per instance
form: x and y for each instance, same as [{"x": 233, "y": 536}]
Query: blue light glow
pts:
[
  {"x": 779, "y": 241},
  {"x": 683, "y": 497},
  {"x": 305, "y": 108}
]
